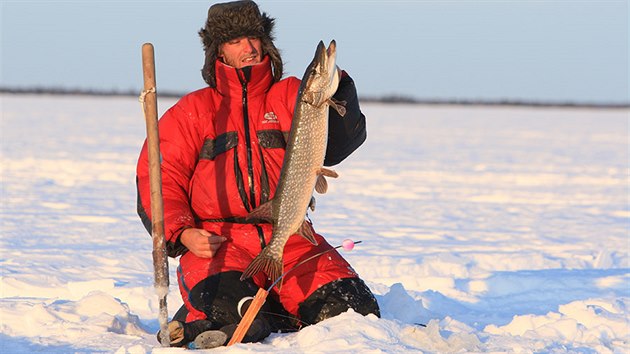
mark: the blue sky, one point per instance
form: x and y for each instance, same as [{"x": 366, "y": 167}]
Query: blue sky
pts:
[{"x": 528, "y": 50}]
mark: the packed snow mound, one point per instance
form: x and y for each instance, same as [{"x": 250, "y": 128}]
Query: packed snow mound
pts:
[
  {"x": 351, "y": 332},
  {"x": 602, "y": 324},
  {"x": 67, "y": 321},
  {"x": 362, "y": 334},
  {"x": 399, "y": 304}
]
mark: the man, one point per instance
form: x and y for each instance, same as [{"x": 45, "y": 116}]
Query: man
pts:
[{"x": 222, "y": 150}]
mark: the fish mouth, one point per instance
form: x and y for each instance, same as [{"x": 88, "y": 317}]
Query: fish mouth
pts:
[
  {"x": 327, "y": 58},
  {"x": 331, "y": 54},
  {"x": 322, "y": 76}
]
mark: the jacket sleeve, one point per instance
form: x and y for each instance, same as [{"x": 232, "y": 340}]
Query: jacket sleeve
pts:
[
  {"x": 347, "y": 133},
  {"x": 179, "y": 151}
]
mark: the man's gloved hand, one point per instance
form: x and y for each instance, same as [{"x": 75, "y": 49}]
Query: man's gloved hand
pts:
[{"x": 342, "y": 73}]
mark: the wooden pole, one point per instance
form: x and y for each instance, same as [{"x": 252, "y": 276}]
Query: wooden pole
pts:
[
  {"x": 160, "y": 257},
  {"x": 248, "y": 318}
]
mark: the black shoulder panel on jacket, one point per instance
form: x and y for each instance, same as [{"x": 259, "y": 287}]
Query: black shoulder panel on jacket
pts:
[{"x": 347, "y": 133}]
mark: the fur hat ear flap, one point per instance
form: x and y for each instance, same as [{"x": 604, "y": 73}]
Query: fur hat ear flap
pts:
[
  {"x": 236, "y": 19},
  {"x": 208, "y": 70}
]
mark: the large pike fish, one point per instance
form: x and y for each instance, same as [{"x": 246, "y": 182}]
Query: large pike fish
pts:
[{"x": 302, "y": 168}]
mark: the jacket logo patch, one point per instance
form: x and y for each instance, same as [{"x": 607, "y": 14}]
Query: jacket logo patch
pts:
[{"x": 270, "y": 117}]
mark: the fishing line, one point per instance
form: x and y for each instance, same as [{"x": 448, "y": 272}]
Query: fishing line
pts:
[{"x": 344, "y": 245}]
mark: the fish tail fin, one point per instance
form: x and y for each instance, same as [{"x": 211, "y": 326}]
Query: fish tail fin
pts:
[{"x": 267, "y": 263}]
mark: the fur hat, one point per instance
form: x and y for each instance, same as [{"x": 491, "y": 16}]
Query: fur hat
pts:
[{"x": 230, "y": 20}]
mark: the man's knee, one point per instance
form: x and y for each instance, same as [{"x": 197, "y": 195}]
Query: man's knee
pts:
[
  {"x": 218, "y": 296},
  {"x": 337, "y": 297},
  {"x": 224, "y": 298}
]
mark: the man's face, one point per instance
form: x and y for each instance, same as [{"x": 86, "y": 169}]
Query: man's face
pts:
[{"x": 241, "y": 52}]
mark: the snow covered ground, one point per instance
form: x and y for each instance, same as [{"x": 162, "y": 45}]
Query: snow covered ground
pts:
[{"x": 502, "y": 229}]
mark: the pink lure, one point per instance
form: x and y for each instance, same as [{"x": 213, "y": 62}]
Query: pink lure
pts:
[{"x": 347, "y": 244}]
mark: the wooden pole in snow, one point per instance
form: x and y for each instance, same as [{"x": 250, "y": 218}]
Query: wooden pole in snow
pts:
[{"x": 148, "y": 98}]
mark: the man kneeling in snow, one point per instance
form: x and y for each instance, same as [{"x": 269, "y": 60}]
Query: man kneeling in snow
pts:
[{"x": 222, "y": 149}]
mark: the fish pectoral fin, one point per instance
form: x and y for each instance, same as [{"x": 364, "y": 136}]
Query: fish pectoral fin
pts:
[
  {"x": 264, "y": 212},
  {"x": 311, "y": 204},
  {"x": 339, "y": 106},
  {"x": 321, "y": 186},
  {"x": 328, "y": 172},
  {"x": 306, "y": 231}
]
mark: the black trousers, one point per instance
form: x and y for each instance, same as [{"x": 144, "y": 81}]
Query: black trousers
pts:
[{"x": 218, "y": 297}]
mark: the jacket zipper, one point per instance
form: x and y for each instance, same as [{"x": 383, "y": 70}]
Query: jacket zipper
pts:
[
  {"x": 250, "y": 165},
  {"x": 248, "y": 144}
]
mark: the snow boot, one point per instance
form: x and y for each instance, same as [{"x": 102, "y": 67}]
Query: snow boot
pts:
[
  {"x": 209, "y": 339},
  {"x": 182, "y": 333},
  {"x": 258, "y": 331}
]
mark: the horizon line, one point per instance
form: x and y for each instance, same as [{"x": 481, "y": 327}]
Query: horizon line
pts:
[{"x": 386, "y": 98}]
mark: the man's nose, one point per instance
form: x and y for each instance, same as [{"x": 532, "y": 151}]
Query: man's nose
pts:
[{"x": 250, "y": 46}]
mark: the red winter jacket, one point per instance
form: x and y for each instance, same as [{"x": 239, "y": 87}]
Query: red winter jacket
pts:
[{"x": 222, "y": 149}]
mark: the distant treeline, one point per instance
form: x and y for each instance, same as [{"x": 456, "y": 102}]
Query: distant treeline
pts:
[{"x": 390, "y": 99}]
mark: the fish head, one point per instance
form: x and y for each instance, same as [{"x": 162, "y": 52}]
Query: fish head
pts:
[{"x": 322, "y": 75}]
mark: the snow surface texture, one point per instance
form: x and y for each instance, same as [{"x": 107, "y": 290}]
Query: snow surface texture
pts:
[{"x": 501, "y": 229}]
